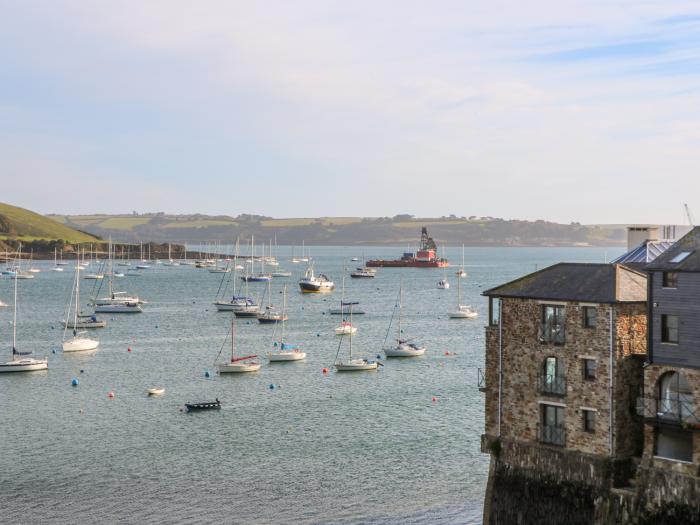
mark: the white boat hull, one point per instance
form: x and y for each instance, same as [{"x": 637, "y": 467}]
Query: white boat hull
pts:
[
  {"x": 228, "y": 368},
  {"x": 24, "y": 365},
  {"x": 118, "y": 309},
  {"x": 80, "y": 344},
  {"x": 356, "y": 365},
  {"x": 156, "y": 391},
  {"x": 285, "y": 356},
  {"x": 461, "y": 314},
  {"x": 404, "y": 351},
  {"x": 346, "y": 330}
]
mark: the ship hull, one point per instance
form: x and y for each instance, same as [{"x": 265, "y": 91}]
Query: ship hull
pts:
[{"x": 400, "y": 263}]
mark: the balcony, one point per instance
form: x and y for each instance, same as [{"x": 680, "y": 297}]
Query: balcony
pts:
[
  {"x": 679, "y": 411},
  {"x": 552, "y": 434},
  {"x": 548, "y": 333},
  {"x": 551, "y": 385}
]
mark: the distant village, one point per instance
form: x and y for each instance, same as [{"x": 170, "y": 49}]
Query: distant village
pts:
[{"x": 592, "y": 388}]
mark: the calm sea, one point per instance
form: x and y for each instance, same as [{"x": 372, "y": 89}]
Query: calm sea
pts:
[{"x": 356, "y": 448}]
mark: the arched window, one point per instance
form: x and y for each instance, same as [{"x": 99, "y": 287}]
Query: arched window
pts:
[
  {"x": 675, "y": 398},
  {"x": 553, "y": 381}
]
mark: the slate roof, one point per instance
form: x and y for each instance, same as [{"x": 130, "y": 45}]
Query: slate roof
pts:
[
  {"x": 584, "y": 282},
  {"x": 690, "y": 242}
]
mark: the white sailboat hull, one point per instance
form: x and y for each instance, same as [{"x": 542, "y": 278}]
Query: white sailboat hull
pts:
[
  {"x": 404, "y": 351},
  {"x": 356, "y": 365},
  {"x": 463, "y": 312},
  {"x": 118, "y": 309},
  {"x": 80, "y": 344},
  {"x": 24, "y": 365},
  {"x": 228, "y": 368},
  {"x": 345, "y": 330},
  {"x": 286, "y": 356}
]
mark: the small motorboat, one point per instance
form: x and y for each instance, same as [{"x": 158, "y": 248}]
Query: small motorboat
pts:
[
  {"x": 281, "y": 273},
  {"x": 443, "y": 284},
  {"x": 363, "y": 273},
  {"x": 203, "y": 405},
  {"x": 156, "y": 391},
  {"x": 271, "y": 315}
]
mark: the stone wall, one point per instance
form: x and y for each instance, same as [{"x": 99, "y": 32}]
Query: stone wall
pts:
[
  {"x": 523, "y": 361},
  {"x": 535, "y": 484}
]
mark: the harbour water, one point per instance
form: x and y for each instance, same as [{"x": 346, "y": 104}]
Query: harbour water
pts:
[{"x": 371, "y": 447}]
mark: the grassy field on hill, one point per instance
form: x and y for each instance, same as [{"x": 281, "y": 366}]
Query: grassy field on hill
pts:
[
  {"x": 397, "y": 230},
  {"x": 19, "y": 223}
]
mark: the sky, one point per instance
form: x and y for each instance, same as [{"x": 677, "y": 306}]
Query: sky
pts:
[{"x": 584, "y": 111}]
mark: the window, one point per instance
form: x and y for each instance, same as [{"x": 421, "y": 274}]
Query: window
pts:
[
  {"x": 680, "y": 257},
  {"x": 590, "y": 368},
  {"x": 589, "y": 417},
  {"x": 494, "y": 311},
  {"x": 552, "y": 429},
  {"x": 590, "y": 316},
  {"x": 552, "y": 327},
  {"x": 670, "y": 280},
  {"x": 669, "y": 329},
  {"x": 552, "y": 380}
]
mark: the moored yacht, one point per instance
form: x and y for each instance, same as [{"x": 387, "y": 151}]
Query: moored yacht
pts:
[{"x": 311, "y": 283}]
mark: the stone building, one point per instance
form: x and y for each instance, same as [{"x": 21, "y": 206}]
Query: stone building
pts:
[
  {"x": 566, "y": 379},
  {"x": 564, "y": 353}
]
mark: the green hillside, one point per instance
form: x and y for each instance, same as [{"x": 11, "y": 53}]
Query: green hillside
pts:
[{"x": 18, "y": 223}]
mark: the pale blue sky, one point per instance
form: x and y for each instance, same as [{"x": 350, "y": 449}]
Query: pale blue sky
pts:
[{"x": 564, "y": 110}]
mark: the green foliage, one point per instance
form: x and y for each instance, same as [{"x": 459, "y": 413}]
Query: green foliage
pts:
[{"x": 17, "y": 223}]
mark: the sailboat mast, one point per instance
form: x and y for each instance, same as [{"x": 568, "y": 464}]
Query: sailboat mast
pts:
[
  {"x": 233, "y": 337},
  {"x": 284, "y": 313},
  {"x": 398, "y": 335},
  {"x": 77, "y": 297},
  {"x": 351, "y": 333},
  {"x": 14, "y": 321}
]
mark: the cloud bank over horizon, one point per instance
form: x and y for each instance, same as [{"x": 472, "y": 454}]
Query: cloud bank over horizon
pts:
[{"x": 566, "y": 111}]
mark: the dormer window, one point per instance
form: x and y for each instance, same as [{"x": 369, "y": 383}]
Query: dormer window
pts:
[{"x": 670, "y": 280}]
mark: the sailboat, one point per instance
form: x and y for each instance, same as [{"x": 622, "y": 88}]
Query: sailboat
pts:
[
  {"x": 403, "y": 347},
  {"x": 461, "y": 272},
  {"x": 19, "y": 362},
  {"x": 303, "y": 258},
  {"x": 56, "y": 267},
  {"x": 170, "y": 261},
  {"x": 346, "y": 327},
  {"x": 271, "y": 315},
  {"x": 77, "y": 343},
  {"x": 252, "y": 276},
  {"x": 287, "y": 352},
  {"x": 61, "y": 262},
  {"x": 32, "y": 269},
  {"x": 237, "y": 364},
  {"x": 116, "y": 302},
  {"x": 352, "y": 364},
  {"x": 443, "y": 284},
  {"x": 462, "y": 311}
]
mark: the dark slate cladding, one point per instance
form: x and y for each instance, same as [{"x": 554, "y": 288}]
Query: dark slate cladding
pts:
[
  {"x": 690, "y": 242},
  {"x": 586, "y": 282},
  {"x": 683, "y": 301}
]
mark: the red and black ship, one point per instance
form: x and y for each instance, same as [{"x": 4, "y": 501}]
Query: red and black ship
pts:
[{"x": 425, "y": 257}]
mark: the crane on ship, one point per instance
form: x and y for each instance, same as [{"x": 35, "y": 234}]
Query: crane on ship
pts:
[{"x": 426, "y": 242}]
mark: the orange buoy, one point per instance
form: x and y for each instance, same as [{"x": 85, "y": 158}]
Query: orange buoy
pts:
[
  {"x": 446, "y": 352},
  {"x": 434, "y": 399},
  {"x": 128, "y": 349},
  {"x": 110, "y": 395},
  {"x": 325, "y": 370}
]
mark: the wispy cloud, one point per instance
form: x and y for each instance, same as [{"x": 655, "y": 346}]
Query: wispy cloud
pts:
[{"x": 471, "y": 109}]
